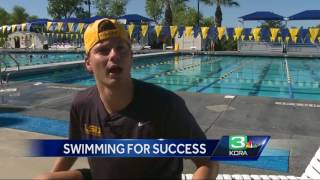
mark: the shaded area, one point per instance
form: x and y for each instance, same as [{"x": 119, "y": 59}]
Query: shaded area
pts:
[
  {"x": 262, "y": 76},
  {"x": 270, "y": 159},
  {"x": 12, "y": 109},
  {"x": 10, "y": 121},
  {"x": 34, "y": 124}
]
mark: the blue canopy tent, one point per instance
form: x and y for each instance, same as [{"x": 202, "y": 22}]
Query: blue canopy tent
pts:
[
  {"x": 261, "y": 15},
  {"x": 306, "y": 15},
  {"x": 135, "y": 18}
]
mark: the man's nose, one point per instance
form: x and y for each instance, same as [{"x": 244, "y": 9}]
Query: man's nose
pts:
[{"x": 114, "y": 55}]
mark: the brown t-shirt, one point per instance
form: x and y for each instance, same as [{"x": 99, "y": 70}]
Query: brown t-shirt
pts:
[{"x": 153, "y": 113}]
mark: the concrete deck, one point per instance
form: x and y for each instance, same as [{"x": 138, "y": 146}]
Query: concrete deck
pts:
[{"x": 292, "y": 126}]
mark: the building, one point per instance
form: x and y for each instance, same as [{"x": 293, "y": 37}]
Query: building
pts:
[{"x": 26, "y": 40}]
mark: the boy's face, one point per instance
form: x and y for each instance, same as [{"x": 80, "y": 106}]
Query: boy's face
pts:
[{"x": 110, "y": 62}]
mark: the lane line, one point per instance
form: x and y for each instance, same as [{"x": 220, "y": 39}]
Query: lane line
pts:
[{"x": 291, "y": 95}]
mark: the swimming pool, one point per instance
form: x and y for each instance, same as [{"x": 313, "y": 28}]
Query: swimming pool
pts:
[
  {"x": 26, "y": 59},
  {"x": 292, "y": 78}
]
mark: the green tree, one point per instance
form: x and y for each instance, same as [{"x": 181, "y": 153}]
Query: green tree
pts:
[
  {"x": 4, "y": 16},
  {"x": 33, "y": 17},
  {"x": 187, "y": 16},
  {"x": 272, "y": 24},
  {"x": 111, "y": 8},
  {"x": 219, "y": 3},
  {"x": 82, "y": 13},
  {"x": 64, "y": 8},
  {"x": 154, "y": 9},
  {"x": 170, "y": 6},
  {"x": 158, "y": 8},
  {"x": 207, "y": 21},
  {"x": 102, "y": 7},
  {"x": 18, "y": 15},
  {"x": 118, "y": 7}
]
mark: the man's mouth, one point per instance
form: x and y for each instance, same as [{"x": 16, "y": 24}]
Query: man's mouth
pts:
[{"x": 114, "y": 70}]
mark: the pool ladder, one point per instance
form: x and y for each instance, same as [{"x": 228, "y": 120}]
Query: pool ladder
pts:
[{"x": 4, "y": 75}]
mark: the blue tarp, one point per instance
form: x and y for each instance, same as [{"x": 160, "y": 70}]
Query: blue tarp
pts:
[
  {"x": 212, "y": 34},
  {"x": 66, "y": 20},
  {"x": 261, "y": 15},
  {"x": 196, "y": 30},
  {"x": 180, "y": 31},
  {"x": 135, "y": 18},
  {"x": 306, "y": 15},
  {"x": 230, "y": 32},
  {"x": 302, "y": 36},
  {"x": 265, "y": 36},
  {"x": 151, "y": 31},
  {"x": 165, "y": 31},
  {"x": 39, "y": 21},
  {"x": 71, "y": 20},
  {"x": 284, "y": 33},
  {"x": 92, "y": 19},
  {"x": 246, "y": 33}
]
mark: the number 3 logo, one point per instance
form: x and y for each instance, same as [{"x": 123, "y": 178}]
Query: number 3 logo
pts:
[{"x": 237, "y": 142}]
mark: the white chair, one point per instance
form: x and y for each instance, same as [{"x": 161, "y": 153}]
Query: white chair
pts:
[
  {"x": 311, "y": 172},
  {"x": 169, "y": 47},
  {"x": 193, "y": 47},
  {"x": 147, "y": 47}
]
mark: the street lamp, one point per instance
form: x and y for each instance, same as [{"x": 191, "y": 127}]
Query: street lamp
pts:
[{"x": 88, "y": 2}]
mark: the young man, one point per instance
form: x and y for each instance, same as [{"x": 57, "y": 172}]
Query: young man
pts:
[{"x": 122, "y": 107}]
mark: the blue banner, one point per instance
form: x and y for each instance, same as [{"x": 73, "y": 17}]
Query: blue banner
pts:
[
  {"x": 228, "y": 148},
  {"x": 123, "y": 148}
]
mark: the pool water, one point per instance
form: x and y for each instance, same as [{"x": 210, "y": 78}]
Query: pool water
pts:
[
  {"x": 290, "y": 78},
  {"x": 26, "y": 59}
]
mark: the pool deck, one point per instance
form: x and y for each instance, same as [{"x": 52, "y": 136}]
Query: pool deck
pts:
[{"x": 292, "y": 124}]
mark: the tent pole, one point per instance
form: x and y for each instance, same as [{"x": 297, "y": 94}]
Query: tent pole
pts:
[{"x": 285, "y": 42}]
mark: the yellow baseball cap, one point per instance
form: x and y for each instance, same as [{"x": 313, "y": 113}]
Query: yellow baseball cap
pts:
[{"x": 101, "y": 30}]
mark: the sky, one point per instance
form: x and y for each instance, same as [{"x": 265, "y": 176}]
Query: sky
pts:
[{"x": 230, "y": 14}]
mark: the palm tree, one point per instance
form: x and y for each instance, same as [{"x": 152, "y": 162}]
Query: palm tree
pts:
[
  {"x": 219, "y": 3},
  {"x": 167, "y": 13}
]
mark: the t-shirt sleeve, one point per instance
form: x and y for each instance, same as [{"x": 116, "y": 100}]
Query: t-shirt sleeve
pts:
[
  {"x": 74, "y": 125},
  {"x": 181, "y": 124}
]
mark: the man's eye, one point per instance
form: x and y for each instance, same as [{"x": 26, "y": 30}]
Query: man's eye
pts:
[
  {"x": 121, "y": 48},
  {"x": 104, "y": 50}
]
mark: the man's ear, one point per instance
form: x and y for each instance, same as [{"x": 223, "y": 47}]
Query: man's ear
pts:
[{"x": 87, "y": 64}]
